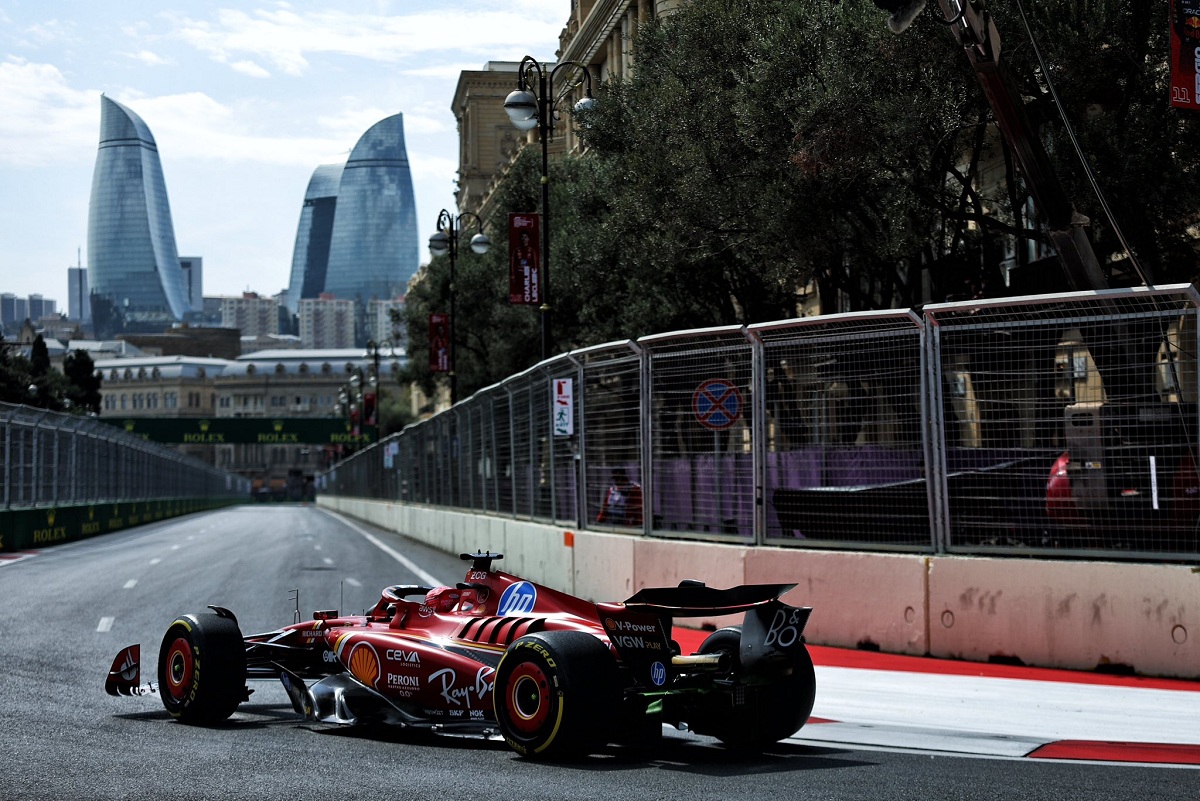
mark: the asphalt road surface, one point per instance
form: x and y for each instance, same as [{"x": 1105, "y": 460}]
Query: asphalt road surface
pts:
[{"x": 65, "y": 613}]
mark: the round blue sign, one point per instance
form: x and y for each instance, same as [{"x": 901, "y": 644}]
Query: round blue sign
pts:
[{"x": 717, "y": 403}]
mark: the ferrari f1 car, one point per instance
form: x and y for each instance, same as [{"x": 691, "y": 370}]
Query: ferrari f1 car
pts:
[{"x": 555, "y": 675}]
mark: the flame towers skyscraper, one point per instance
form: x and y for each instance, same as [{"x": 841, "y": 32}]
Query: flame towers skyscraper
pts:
[
  {"x": 136, "y": 282},
  {"x": 368, "y": 250}
]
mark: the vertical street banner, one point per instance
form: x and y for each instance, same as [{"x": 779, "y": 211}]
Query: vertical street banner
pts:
[
  {"x": 564, "y": 407},
  {"x": 1185, "y": 54},
  {"x": 439, "y": 343},
  {"x": 524, "y": 260}
]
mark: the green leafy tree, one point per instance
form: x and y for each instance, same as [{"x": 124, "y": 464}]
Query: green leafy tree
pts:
[
  {"x": 14, "y": 374},
  {"x": 494, "y": 339},
  {"x": 83, "y": 383},
  {"x": 761, "y": 145}
]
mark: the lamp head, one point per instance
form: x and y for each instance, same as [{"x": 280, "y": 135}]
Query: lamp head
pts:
[
  {"x": 522, "y": 108},
  {"x": 439, "y": 244},
  {"x": 480, "y": 244},
  {"x": 587, "y": 104}
]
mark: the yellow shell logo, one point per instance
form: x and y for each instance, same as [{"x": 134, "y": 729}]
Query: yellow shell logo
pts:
[{"x": 364, "y": 664}]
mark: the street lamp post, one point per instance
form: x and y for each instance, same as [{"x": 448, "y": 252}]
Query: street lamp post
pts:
[
  {"x": 376, "y": 379},
  {"x": 445, "y": 243},
  {"x": 528, "y": 110}
]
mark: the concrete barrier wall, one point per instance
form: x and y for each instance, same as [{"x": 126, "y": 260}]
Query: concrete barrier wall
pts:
[{"x": 1069, "y": 614}]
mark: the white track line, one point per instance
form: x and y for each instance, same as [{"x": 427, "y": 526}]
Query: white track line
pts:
[{"x": 390, "y": 551}]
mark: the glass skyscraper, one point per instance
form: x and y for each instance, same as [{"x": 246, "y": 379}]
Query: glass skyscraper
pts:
[
  {"x": 311, "y": 255},
  {"x": 136, "y": 282},
  {"x": 357, "y": 238},
  {"x": 373, "y": 248}
]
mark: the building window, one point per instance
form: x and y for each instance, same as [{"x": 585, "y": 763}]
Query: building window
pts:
[{"x": 170, "y": 400}]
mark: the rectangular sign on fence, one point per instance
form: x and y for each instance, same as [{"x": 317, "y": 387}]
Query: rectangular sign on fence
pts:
[{"x": 563, "y": 407}]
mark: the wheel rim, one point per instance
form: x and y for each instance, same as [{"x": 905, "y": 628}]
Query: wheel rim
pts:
[
  {"x": 180, "y": 666},
  {"x": 528, "y": 698}
]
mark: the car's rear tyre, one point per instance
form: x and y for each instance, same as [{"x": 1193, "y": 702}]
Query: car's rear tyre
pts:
[
  {"x": 556, "y": 694},
  {"x": 202, "y": 668},
  {"x": 763, "y": 710}
]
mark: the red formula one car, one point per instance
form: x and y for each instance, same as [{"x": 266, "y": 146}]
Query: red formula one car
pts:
[{"x": 555, "y": 675}]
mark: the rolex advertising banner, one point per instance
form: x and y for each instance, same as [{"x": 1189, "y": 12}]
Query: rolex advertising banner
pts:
[
  {"x": 524, "y": 260},
  {"x": 1185, "y": 54}
]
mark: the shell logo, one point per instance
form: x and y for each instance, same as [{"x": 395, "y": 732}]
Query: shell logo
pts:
[{"x": 364, "y": 664}]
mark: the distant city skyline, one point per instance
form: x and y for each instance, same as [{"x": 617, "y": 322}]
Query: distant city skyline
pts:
[{"x": 245, "y": 99}]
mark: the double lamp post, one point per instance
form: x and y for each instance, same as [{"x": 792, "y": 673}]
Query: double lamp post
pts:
[
  {"x": 445, "y": 243},
  {"x": 531, "y": 105}
]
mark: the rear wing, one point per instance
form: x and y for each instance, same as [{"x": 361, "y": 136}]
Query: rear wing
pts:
[{"x": 696, "y": 600}]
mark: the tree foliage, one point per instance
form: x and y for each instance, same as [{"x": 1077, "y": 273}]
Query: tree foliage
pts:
[
  {"x": 34, "y": 382},
  {"x": 763, "y": 144}
]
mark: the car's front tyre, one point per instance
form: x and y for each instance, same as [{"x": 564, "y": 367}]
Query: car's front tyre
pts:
[{"x": 202, "y": 668}]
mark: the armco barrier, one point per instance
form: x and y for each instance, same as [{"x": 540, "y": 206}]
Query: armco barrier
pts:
[{"x": 1080, "y": 615}]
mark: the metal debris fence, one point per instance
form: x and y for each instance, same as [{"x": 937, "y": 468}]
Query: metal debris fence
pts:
[
  {"x": 1059, "y": 424},
  {"x": 52, "y": 459}
]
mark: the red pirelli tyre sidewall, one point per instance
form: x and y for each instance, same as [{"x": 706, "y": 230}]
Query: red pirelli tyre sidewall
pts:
[
  {"x": 556, "y": 694},
  {"x": 202, "y": 668}
]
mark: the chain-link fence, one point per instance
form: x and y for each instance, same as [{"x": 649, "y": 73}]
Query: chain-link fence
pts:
[
  {"x": 52, "y": 459},
  {"x": 1062, "y": 424}
]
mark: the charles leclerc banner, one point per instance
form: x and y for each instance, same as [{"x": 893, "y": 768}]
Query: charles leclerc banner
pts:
[
  {"x": 1185, "y": 54},
  {"x": 439, "y": 343},
  {"x": 524, "y": 260}
]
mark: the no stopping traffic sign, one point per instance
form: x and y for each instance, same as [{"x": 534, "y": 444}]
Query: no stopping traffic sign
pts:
[{"x": 717, "y": 403}]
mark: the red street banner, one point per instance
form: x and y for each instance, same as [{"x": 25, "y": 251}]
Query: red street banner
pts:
[
  {"x": 1185, "y": 54},
  {"x": 524, "y": 260},
  {"x": 439, "y": 343}
]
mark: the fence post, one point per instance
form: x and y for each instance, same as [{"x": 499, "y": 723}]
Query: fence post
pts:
[
  {"x": 933, "y": 434},
  {"x": 646, "y": 413},
  {"x": 758, "y": 434}
]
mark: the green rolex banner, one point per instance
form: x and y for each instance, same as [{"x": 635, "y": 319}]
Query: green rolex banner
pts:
[{"x": 246, "y": 430}]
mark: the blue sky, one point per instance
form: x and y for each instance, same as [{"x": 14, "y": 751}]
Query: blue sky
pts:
[{"x": 245, "y": 99}]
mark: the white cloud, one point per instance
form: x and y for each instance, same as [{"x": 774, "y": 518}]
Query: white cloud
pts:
[
  {"x": 250, "y": 68},
  {"x": 194, "y": 126},
  {"x": 150, "y": 59},
  {"x": 44, "y": 119},
  {"x": 287, "y": 39}
]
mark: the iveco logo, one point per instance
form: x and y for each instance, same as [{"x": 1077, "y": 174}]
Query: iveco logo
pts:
[{"x": 518, "y": 599}]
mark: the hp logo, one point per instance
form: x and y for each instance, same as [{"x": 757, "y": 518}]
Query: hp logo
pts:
[
  {"x": 658, "y": 674},
  {"x": 518, "y": 599}
]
